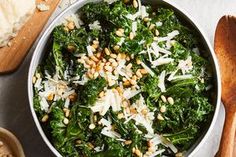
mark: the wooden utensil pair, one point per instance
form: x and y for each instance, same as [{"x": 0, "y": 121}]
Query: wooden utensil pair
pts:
[{"x": 225, "y": 49}]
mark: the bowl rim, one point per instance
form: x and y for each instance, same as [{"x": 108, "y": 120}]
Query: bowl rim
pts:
[{"x": 78, "y": 5}]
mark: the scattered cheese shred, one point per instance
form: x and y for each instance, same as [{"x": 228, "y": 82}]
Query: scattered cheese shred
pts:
[
  {"x": 161, "y": 83},
  {"x": 148, "y": 69}
]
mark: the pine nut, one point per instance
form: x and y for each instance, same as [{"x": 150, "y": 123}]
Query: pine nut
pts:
[
  {"x": 129, "y": 66},
  {"x": 126, "y": 83},
  {"x": 91, "y": 126},
  {"x": 138, "y": 152},
  {"x": 120, "y": 116},
  {"x": 119, "y": 33},
  {"x": 146, "y": 19},
  {"x": 50, "y": 97},
  {"x": 138, "y": 61},
  {"x": 152, "y": 26},
  {"x": 112, "y": 60},
  {"x": 138, "y": 73},
  {"x": 143, "y": 71},
  {"x": 95, "y": 75},
  {"x": 71, "y": 25},
  {"x": 108, "y": 68},
  {"x": 160, "y": 117},
  {"x": 66, "y": 121},
  {"x": 123, "y": 55},
  {"x": 45, "y": 118},
  {"x": 107, "y": 52},
  {"x": 114, "y": 64},
  {"x": 163, "y": 98},
  {"x": 128, "y": 142},
  {"x": 96, "y": 42},
  {"x": 120, "y": 90},
  {"x": 135, "y": 4},
  {"x": 102, "y": 94},
  {"x": 131, "y": 35},
  {"x": 116, "y": 48},
  {"x": 95, "y": 46},
  {"x": 94, "y": 58},
  {"x": 113, "y": 55},
  {"x": 98, "y": 55},
  {"x": 163, "y": 109},
  {"x": 170, "y": 100}
]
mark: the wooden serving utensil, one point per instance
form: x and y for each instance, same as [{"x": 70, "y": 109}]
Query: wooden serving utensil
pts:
[
  {"x": 225, "y": 49},
  {"x": 12, "y": 56}
]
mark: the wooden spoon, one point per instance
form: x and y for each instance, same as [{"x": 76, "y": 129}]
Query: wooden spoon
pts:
[
  {"x": 225, "y": 49},
  {"x": 11, "y": 57}
]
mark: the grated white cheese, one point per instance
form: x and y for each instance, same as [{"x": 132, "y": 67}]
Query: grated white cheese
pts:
[
  {"x": 157, "y": 153},
  {"x": 89, "y": 50},
  {"x": 75, "y": 19},
  {"x": 148, "y": 69},
  {"x": 158, "y": 24},
  {"x": 110, "y": 1},
  {"x": 44, "y": 105},
  {"x": 67, "y": 103},
  {"x": 155, "y": 49},
  {"x": 144, "y": 12},
  {"x": 161, "y": 61},
  {"x": 185, "y": 65},
  {"x": 95, "y": 25},
  {"x": 161, "y": 83},
  {"x": 122, "y": 39},
  {"x": 129, "y": 93},
  {"x": 182, "y": 77},
  {"x": 43, "y": 7},
  {"x": 111, "y": 99},
  {"x": 134, "y": 27}
]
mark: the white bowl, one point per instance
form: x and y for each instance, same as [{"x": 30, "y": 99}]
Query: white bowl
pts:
[{"x": 40, "y": 50}]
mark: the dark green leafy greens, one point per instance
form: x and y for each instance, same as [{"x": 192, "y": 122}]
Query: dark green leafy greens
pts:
[{"x": 183, "y": 120}]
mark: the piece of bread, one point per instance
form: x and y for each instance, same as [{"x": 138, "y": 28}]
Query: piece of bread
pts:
[{"x": 13, "y": 15}]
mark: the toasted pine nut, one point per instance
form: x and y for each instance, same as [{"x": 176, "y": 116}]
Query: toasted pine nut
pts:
[
  {"x": 135, "y": 4},
  {"x": 113, "y": 55},
  {"x": 129, "y": 66},
  {"x": 138, "y": 73},
  {"x": 45, "y": 118},
  {"x": 163, "y": 109},
  {"x": 170, "y": 100},
  {"x": 126, "y": 83},
  {"x": 131, "y": 35},
  {"x": 94, "y": 58},
  {"x": 71, "y": 25},
  {"x": 128, "y": 142},
  {"x": 50, "y": 97},
  {"x": 120, "y": 115},
  {"x": 146, "y": 19},
  {"x": 163, "y": 98},
  {"x": 91, "y": 126},
  {"x": 160, "y": 117},
  {"x": 107, "y": 52},
  {"x": 66, "y": 121},
  {"x": 119, "y": 33},
  {"x": 116, "y": 48},
  {"x": 143, "y": 71},
  {"x": 102, "y": 94},
  {"x": 152, "y": 26}
]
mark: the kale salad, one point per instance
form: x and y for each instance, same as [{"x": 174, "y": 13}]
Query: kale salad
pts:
[{"x": 121, "y": 79}]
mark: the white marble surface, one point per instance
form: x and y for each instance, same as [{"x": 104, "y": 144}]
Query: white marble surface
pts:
[{"x": 14, "y": 108}]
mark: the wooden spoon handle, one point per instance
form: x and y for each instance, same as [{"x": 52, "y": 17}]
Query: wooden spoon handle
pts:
[{"x": 228, "y": 136}]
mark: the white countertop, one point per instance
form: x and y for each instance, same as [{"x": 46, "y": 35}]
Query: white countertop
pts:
[{"x": 14, "y": 108}]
